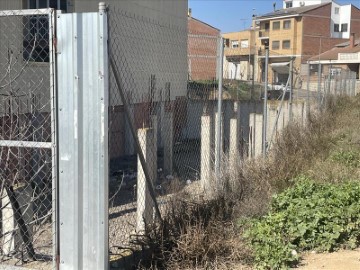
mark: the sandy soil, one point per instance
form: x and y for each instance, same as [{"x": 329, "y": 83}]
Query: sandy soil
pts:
[{"x": 341, "y": 260}]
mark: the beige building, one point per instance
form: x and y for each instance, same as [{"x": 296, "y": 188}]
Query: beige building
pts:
[{"x": 240, "y": 55}]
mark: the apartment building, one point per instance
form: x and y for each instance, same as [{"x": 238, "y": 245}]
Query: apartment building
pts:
[
  {"x": 300, "y": 32},
  {"x": 240, "y": 54}
]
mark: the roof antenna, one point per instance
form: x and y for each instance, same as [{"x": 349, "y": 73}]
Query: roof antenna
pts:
[{"x": 274, "y": 6}]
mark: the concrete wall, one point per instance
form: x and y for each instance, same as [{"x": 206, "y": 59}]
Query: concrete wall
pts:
[
  {"x": 147, "y": 38},
  {"x": 12, "y": 4},
  {"x": 30, "y": 79}
]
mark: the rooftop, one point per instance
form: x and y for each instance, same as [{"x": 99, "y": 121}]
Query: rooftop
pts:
[
  {"x": 333, "y": 53},
  {"x": 290, "y": 11}
]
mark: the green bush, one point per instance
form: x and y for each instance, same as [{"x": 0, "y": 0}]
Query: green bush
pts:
[
  {"x": 308, "y": 216},
  {"x": 348, "y": 158}
]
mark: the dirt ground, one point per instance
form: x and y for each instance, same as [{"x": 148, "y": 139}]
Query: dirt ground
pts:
[{"x": 341, "y": 260}]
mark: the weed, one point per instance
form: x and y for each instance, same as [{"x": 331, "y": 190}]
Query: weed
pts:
[
  {"x": 348, "y": 158},
  {"x": 308, "y": 216}
]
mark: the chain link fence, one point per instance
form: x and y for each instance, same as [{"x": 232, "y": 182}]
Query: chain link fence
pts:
[
  {"x": 166, "y": 132},
  {"x": 164, "y": 124},
  {"x": 150, "y": 63},
  {"x": 26, "y": 139},
  {"x": 158, "y": 101}
]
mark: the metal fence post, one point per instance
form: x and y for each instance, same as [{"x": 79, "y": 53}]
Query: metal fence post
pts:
[
  {"x": 83, "y": 89},
  {"x": 291, "y": 91},
  {"x": 319, "y": 87},
  {"x": 218, "y": 150},
  {"x": 308, "y": 92},
  {"x": 264, "y": 142}
]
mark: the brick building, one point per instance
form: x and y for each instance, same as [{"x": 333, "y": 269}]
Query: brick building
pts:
[
  {"x": 342, "y": 58},
  {"x": 300, "y": 33},
  {"x": 203, "y": 45}
]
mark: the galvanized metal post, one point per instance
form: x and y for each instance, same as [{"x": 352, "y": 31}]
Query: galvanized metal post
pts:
[
  {"x": 83, "y": 96},
  {"x": 308, "y": 92},
  {"x": 218, "y": 144},
  {"x": 319, "y": 86},
  {"x": 264, "y": 142},
  {"x": 291, "y": 90},
  {"x": 54, "y": 128}
]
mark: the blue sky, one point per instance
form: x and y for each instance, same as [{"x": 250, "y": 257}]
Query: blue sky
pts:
[{"x": 235, "y": 15}]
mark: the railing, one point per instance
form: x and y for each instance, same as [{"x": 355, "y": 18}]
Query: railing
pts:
[{"x": 264, "y": 33}]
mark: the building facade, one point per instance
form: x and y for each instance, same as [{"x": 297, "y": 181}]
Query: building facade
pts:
[
  {"x": 203, "y": 50},
  {"x": 240, "y": 54},
  {"x": 291, "y": 36},
  {"x": 342, "y": 58}
]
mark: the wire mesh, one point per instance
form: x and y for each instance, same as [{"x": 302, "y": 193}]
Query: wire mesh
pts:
[
  {"x": 169, "y": 81},
  {"x": 169, "y": 116},
  {"x": 26, "y": 136}
]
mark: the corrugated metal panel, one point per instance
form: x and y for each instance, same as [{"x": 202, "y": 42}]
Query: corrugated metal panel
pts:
[{"x": 83, "y": 140}]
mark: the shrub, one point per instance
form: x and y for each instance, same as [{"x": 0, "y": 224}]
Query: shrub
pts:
[
  {"x": 308, "y": 216},
  {"x": 348, "y": 158}
]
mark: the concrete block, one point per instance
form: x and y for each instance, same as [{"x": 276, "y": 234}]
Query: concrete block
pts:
[
  {"x": 258, "y": 135},
  {"x": 168, "y": 141},
  {"x": 234, "y": 147},
  {"x": 12, "y": 241},
  {"x": 205, "y": 166},
  {"x": 145, "y": 205}
]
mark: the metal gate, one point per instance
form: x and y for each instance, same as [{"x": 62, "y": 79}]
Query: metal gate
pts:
[{"x": 27, "y": 139}]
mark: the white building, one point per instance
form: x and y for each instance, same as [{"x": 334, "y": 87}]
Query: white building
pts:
[
  {"x": 301, "y": 3},
  {"x": 340, "y": 20}
]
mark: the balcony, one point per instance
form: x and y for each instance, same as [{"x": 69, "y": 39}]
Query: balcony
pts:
[
  {"x": 229, "y": 52},
  {"x": 264, "y": 33}
]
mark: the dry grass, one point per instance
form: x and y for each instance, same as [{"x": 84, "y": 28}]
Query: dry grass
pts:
[{"x": 200, "y": 234}]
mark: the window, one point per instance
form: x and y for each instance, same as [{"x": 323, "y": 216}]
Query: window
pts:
[
  {"x": 227, "y": 42},
  {"x": 234, "y": 44},
  {"x": 336, "y": 28},
  {"x": 244, "y": 43},
  {"x": 344, "y": 27},
  {"x": 335, "y": 71},
  {"x": 289, "y": 4},
  {"x": 56, "y": 4},
  {"x": 36, "y": 32},
  {"x": 286, "y": 44},
  {"x": 337, "y": 10},
  {"x": 276, "y": 45},
  {"x": 267, "y": 26},
  {"x": 287, "y": 24},
  {"x": 276, "y": 25}
]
